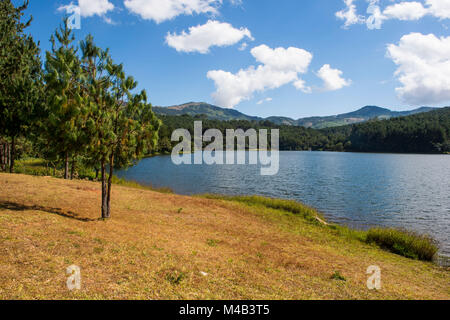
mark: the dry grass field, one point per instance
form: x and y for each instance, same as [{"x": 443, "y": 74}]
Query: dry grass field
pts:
[{"x": 164, "y": 246}]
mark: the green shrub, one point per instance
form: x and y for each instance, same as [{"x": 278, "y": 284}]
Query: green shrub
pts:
[{"x": 405, "y": 243}]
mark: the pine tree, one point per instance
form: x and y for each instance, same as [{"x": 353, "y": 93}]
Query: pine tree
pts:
[
  {"x": 20, "y": 77},
  {"x": 134, "y": 125},
  {"x": 64, "y": 129},
  {"x": 121, "y": 125}
]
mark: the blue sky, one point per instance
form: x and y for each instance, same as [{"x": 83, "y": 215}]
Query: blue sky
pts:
[{"x": 340, "y": 57}]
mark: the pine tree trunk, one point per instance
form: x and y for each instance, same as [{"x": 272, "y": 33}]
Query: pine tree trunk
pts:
[
  {"x": 104, "y": 191},
  {"x": 2, "y": 156},
  {"x": 72, "y": 170},
  {"x": 7, "y": 155},
  {"x": 66, "y": 166},
  {"x": 13, "y": 154},
  {"x": 111, "y": 171}
]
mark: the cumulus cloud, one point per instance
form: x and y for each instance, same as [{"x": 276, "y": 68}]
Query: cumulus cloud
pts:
[
  {"x": 404, "y": 11},
  {"x": 277, "y": 67},
  {"x": 162, "y": 10},
  {"x": 201, "y": 38},
  {"x": 349, "y": 14},
  {"x": 423, "y": 68},
  {"x": 439, "y": 8},
  {"x": 89, "y": 8},
  {"x": 243, "y": 46},
  {"x": 332, "y": 78},
  {"x": 264, "y": 100},
  {"x": 300, "y": 84},
  {"x": 290, "y": 59}
]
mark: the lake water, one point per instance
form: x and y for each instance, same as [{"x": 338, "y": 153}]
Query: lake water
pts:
[{"x": 359, "y": 190}]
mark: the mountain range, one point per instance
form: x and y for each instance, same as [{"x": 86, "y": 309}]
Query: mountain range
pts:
[{"x": 216, "y": 113}]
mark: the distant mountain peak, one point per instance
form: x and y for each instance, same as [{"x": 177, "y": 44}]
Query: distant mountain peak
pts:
[
  {"x": 373, "y": 108},
  {"x": 216, "y": 113}
]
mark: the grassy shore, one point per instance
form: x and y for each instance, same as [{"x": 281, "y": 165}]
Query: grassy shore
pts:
[{"x": 166, "y": 246}]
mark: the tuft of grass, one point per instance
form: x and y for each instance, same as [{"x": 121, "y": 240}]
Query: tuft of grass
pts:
[
  {"x": 212, "y": 242},
  {"x": 405, "y": 243},
  {"x": 289, "y": 206},
  {"x": 338, "y": 276},
  {"x": 175, "y": 276}
]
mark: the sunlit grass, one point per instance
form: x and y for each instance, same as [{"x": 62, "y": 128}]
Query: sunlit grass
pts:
[
  {"x": 211, "y": 249},
  {"x": 401, "y": 242},
  {"x": 289, "y": 206},
  {"x": 40, "y": 167}
]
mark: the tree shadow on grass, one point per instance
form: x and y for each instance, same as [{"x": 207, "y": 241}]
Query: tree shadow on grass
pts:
[{"x": 58, "y": 211}]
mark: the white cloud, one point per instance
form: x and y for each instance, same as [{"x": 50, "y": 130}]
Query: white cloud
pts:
[
  {"x": 162, "y": 10},
  {"x": 202, "y": 37},
  {"x": 405, "y": 11},
  {"x": 89, "y": 8},
  {"x": 300, "y": 84},
  {"x": 439, "y": 8},
  {"x": 264, "y": 100},
  {"x": 349, "y": 14},
  {"x": 290, "y": 59},
  {"x": 278, "y": 67},
  {"x": 243, "y": 46},
  {"x": 423, "y": 68},
  {"x": 236, "y": 2},
  {"x": 332, "y": 78}
]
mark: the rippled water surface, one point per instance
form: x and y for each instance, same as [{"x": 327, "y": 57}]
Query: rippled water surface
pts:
[{"x": 361, "y": 190}]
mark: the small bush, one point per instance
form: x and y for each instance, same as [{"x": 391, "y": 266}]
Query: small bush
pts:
[
  {"x": 338, "y": 276},
  {"x": 405, "y": 243}
]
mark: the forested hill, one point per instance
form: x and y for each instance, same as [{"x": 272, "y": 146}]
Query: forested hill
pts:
[
  {"x": 200, "y": 108},
  {"x": 421, "y": 133},
  {"x": 216, "y": 113}
]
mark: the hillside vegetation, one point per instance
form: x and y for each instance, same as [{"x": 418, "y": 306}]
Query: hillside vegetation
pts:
[
  {"x": 165, "y": 246},
  {"x": 208, "y": 111},
  {"x": 420, "y": 133}
]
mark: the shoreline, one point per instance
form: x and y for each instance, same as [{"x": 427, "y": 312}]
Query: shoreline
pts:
[{"x": 320, "y": 151}]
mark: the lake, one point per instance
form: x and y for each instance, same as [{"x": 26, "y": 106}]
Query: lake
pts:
[{"x": 357, "y": 189}]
